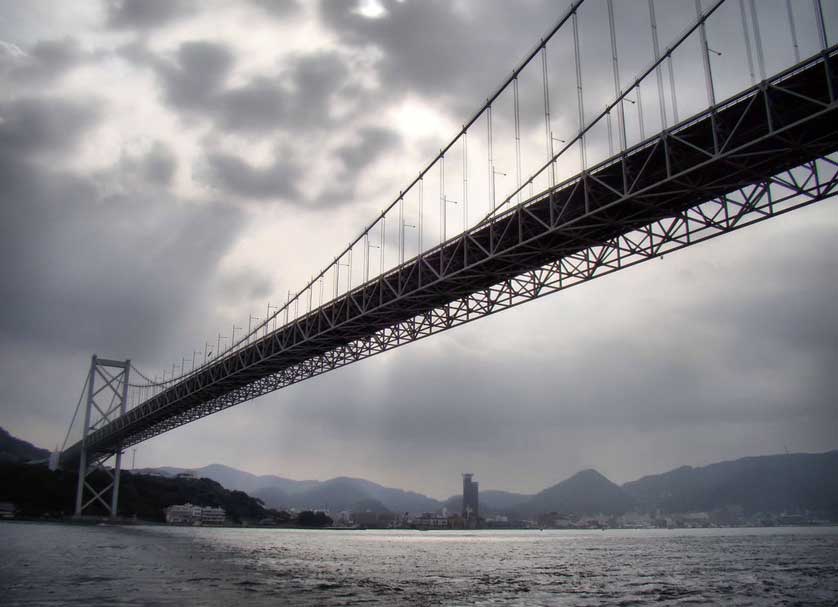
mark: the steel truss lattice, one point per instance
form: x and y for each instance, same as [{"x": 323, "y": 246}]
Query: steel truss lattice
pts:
[
  {"x": 762, "y": 153},
  {"x": 113, "y": 377},
  {"x": 777, "y": 195}
]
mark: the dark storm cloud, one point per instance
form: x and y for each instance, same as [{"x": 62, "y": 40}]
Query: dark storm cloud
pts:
[
  {"x": 299, "y": 96},
  {"x": 257, "y": 105},
  {"x": 87, "y": 245},
  {"x": 145, "y": 14},
  {"x": 45, "y": 124},
  {"x": 44, "y": 61},
  {"x": 157, "y": 166},
  {"x": 245, "y": 286},
  {"x": 369, "y": 144},
  {"x": 197, "y": 74},
  {"x": 86, "y": 266},
  {"x": 279, "y": 9},
  {"x": 373, "y": 141},
  {"x": 442, "y": 48},
  {"x": 297, "y": 99},
  {"x": 233, "y": 175}
]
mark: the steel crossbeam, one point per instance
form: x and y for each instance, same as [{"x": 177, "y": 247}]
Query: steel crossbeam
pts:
[{"x": 762, "y": 153}]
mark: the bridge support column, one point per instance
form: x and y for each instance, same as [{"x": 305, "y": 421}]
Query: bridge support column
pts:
[{"x": 105, "y": 402}]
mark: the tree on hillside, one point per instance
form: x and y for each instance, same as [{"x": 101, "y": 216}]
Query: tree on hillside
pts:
[{"x": 307, "y": 518}]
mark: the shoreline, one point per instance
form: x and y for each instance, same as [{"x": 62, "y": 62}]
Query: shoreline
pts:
[{"x": 105, "y": 522}]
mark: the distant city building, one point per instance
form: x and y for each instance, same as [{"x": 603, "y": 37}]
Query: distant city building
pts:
[
  {"x": 471, "y": 508},
  {"x": 376, "y": 520},
  {"x": 213, "y": 516},
  {"x": 429, "y": 520},
  {"x": 189, "y": 514},
  {"x": 183, "y": 514}
]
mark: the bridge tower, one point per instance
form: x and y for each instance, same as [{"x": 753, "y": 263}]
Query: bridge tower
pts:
[{"x": 105, "y": 402}]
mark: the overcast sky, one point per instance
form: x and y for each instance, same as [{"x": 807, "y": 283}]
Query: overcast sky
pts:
[{"x": 168, "y": 167}]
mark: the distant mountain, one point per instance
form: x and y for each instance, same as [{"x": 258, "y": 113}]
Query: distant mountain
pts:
[
  {"x": 341, "y": 493},
  {"x": 772, "y": 483},
  {"x": 368, "y": 505},
  {"x": 344, "y": 493},
  {"x": 586, "y": 492},
  {"x": 37, "y": 491},
  {"x": 16, "y": 450},
  {"x": 272, "y": 497},
  {"x": 237, "y": 480}
]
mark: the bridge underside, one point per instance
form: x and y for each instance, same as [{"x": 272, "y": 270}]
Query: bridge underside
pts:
[{"x": 765, "y": 152}]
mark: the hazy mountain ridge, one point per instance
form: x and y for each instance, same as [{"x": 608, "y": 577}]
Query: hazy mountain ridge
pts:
[
  {"x": 769, "y": 483},
  {"x": 237, "y": 480},
  {"x": 764, "y": 483},
  {"x": 340, "y": 493},
  {"x": 586, "y": 492},
  {"x": 13, "y": 449}
]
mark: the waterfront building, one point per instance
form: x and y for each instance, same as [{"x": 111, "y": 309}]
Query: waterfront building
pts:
[
  {"x": 429, "y": 520},
  {"x": 471, "y": 507},
  {"x": 189, "y": 514},
  {"x": 213, "y": 516},
  {"x": 376, "y": 520}
]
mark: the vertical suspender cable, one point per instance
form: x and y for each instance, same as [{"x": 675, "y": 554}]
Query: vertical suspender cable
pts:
[
  {"x": 577, "y": 60},
  {"x": 349, "y": 272},
  {"x": 443, "y": 203},
  {"x": 746, "y": 34},
  {"x": 517, "y": 137},
  {"x": 672, "y": 90},
  {"x": 548, "y": 127},
  {"x": 615, "y": 68},
  {"x": 76, "y": 412},
  {"x": 491, "y": 160},
  {"x": 641, "y": 123},
  {"x": 366, "y": 256},
  {"x": 401, "y": 231},
  {"x": 821, "y": 25},
  {"x": 465, "y": 180},
  {"x": 653, "y": 23},
  {"x": 793, "y": 30},
  {"x": 757, "y": 40},
  {"x": 383, "y": 242},
  {"x": 421, "y": 212},
  {"x": 705, "y": 56}
]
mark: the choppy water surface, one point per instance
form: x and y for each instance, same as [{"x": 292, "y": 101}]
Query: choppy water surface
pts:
[{"x": 46, "y": 564}]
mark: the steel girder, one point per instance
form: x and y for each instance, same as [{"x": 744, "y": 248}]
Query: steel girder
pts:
[{"x": 759, "y": 154}]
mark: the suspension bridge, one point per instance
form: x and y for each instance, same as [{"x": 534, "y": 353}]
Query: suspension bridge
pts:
[{"x": 651, "y": 168}]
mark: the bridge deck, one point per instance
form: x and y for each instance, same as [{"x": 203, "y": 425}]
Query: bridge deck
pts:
[{"x": 783, "y": 123}]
